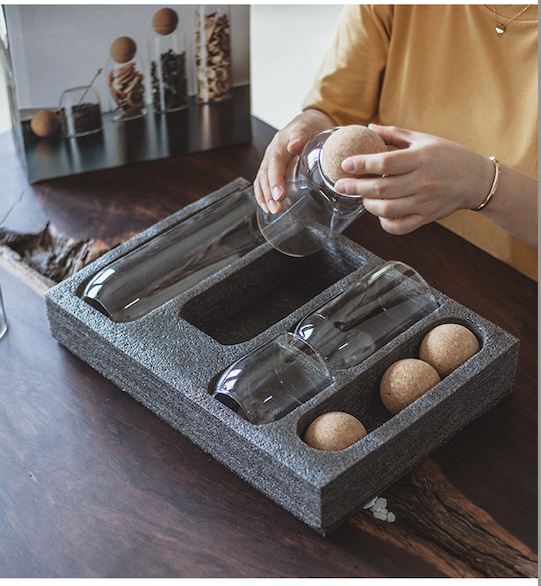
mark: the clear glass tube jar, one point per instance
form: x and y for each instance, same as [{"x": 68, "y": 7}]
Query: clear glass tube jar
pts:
[
  {"x": 80, "y": 112},
  {"x": 278, "y": 376},
  {"x": 272, "y": 380},
  {"x": 213, "y": 52},
  {"x": 168, "y": 63},
  {"x": 362, "y": 319},
  {"x": 179, "y": 258},
  {"x": 313, "y": 213},
  {"x": 126, "y": 80}
]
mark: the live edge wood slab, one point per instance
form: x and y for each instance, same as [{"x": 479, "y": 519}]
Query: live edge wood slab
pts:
[{"x": 94, "y": 485}]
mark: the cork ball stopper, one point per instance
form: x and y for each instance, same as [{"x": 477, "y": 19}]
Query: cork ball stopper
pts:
[
  {"x": 165, "y": 21},
  {"x": 405, "y": 381},
  {"x": 447, "y": 346},
  {"x": 334, "y": 431},
  {"x": 44, "y": 123},
  {"x": 123, "y": 49},
  {"x": 347, "y": 142}
]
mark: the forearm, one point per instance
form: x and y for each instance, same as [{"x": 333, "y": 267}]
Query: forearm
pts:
[{"x": 514, "y": 205}]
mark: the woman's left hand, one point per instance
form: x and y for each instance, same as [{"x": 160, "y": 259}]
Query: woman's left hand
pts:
[{"x": 426, "y": 179}]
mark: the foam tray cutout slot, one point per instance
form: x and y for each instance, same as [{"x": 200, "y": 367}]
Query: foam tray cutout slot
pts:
[{"x": 257, "y": 296}]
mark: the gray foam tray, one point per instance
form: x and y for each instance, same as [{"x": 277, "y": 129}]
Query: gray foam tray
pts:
[{"x": 169, "y": 360}]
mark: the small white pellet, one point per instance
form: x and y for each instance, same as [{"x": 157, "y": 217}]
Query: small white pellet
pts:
[
  {"x": 380, "y": 516},
  {"x": 381, "y": 502},
  {"x": 371, "y": 503},
  {"x": 391, "y": 517}
]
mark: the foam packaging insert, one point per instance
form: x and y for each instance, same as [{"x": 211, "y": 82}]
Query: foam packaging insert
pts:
[{"x": 170, "y": 360}]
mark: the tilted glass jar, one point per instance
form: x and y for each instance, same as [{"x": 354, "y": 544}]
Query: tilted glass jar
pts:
[{"x": 313, "y": 213}]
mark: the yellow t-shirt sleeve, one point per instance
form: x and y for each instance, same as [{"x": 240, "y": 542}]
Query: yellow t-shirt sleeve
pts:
[{"x": 348, "y": 83}]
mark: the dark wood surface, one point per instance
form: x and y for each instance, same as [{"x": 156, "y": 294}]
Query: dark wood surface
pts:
[{"x": 92, "y": 484}]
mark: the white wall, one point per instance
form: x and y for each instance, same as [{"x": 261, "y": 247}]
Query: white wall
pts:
[{"x": 287, "y": 46}]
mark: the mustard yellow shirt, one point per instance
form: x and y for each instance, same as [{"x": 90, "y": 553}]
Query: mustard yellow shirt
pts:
[{"x": 442, "y": 70}]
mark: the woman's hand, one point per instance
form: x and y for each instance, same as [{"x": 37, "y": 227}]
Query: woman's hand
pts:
[
  {"x": 287, "y": 145},
  {"x": 426, "y": 179}
]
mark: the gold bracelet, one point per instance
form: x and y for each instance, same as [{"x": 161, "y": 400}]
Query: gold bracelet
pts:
[{"x": 492, "y": 191}]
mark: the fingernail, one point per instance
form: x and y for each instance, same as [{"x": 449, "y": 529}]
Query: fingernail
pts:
[
  {"x": 340, "y": 187},
  {"x": 263, "y": 206},
  {"x": 348, "y": 165},
  {"x": 276, "y": 193},
  {"x": 274, "y": 207}
]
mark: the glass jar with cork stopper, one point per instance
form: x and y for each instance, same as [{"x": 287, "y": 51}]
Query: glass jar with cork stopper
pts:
[
  {"x": 167, "y": 56},
  {"x": 126, "y": 80}
]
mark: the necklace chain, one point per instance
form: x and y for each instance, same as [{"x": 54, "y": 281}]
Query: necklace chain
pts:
[{"x": 502, "y": 27}]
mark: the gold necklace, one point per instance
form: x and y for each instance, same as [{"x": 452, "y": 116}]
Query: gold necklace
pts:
[{"x": 502, "y": 27}]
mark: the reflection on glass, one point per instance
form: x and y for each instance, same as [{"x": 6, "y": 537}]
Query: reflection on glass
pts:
[
  {"x": 172, "y": 262},
  {"x": 3, "y": 320},
  {"x": 367, "y": 315}
]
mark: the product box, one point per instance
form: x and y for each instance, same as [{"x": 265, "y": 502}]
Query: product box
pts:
[
  {"x": 171, "y": 358},
  {"x": 98, "y": 86}
]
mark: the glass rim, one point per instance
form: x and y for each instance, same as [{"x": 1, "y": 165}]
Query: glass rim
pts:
[{"x": 375, "y": 273}]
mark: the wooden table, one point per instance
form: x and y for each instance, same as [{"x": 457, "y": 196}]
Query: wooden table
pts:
[{"x": 92, "y": 484}]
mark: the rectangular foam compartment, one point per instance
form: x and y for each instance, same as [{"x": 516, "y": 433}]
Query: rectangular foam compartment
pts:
[{"x": 170, "y": 359}]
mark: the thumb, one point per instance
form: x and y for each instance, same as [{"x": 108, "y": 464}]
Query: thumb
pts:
[
  {"x": 297, "y": 141},
  {"x": 394, "y": 136}
]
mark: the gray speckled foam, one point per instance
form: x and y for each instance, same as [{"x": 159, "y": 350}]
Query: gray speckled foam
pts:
[{"x": 170, "y": 359}]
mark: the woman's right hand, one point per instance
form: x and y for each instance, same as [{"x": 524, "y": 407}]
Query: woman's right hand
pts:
[{"x": 287, "y": 144}]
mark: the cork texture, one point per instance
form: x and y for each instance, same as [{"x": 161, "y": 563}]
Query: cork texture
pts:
[{"x": 170, "y": 359}]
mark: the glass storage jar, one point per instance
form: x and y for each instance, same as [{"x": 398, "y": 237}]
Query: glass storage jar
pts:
[
  {"x": 213, "y": 52},
  {"x": 80, "y": 112},
  {"x": 168, "y": 63},
  {"x": 126, "y": 80}
]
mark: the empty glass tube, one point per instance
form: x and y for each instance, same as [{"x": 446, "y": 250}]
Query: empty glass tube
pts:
[
  {"x": 367, "y": 315},
  {"x": 273, "y": 379},
  {"x": 177, "y": 259},
  {"x": 279, "y": 375}
]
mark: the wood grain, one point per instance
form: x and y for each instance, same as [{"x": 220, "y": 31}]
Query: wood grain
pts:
[{"x": 94, "y": 485}]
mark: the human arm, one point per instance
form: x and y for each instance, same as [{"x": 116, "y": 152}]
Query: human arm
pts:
[
  {"x": 428, "y": 178},
  {"x": 287, "y": 144}
]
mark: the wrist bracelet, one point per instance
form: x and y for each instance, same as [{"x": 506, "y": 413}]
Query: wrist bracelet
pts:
[{"x": 492, "y": 191}]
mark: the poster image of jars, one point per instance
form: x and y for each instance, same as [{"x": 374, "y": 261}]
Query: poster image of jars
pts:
[{"x": 129, "y": 83}]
